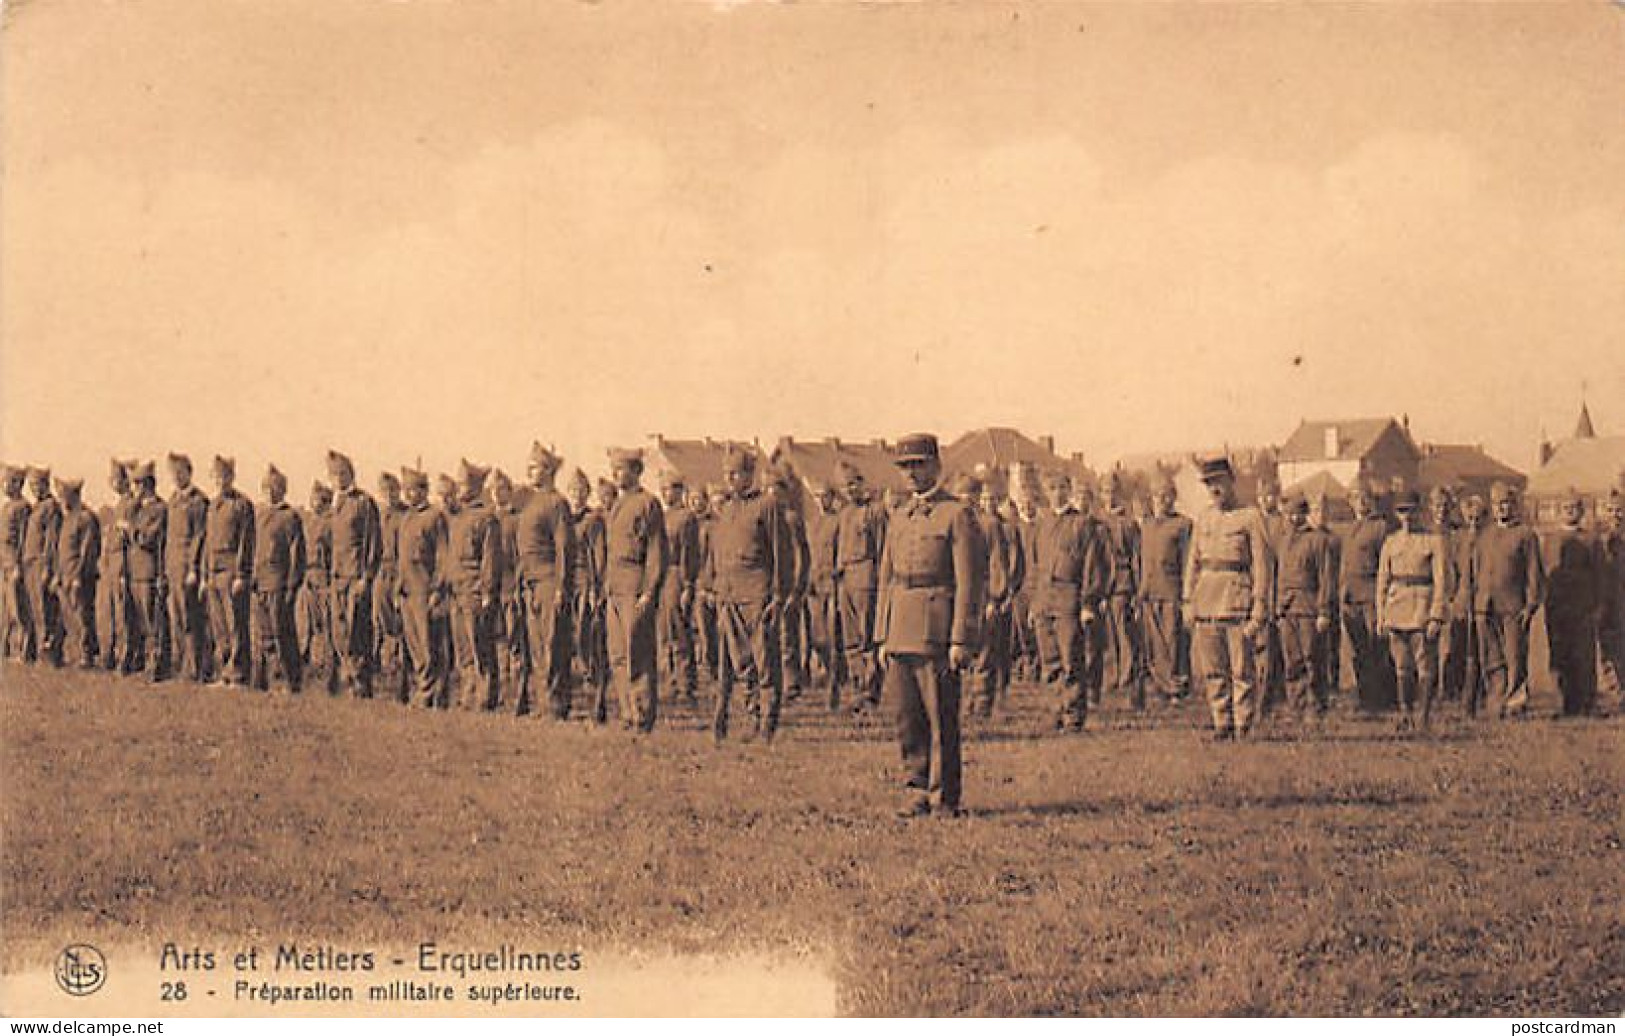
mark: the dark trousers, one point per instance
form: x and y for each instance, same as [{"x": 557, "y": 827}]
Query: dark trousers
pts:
[
  {"x": 1503, "y": 653},
  {"x": 1458, "y": 662},
  {"x": 146, "y": 628},
  {"x": 352, "y": 635},
  {"x": 750, "y": 649},
  {"x": 188, "y": 630},
  {"x": 113, "y": 622},
  {"x": 274, "y": 639},
  {"x": 926, "y": 690},
  {"x": 1165, "y": 652},
  {"x": 857, "y": 611},
  {"x": 1373, "y": 669},
  {"x": 1065, "y": 653},
  {"x": 676, "y": 637},
  {"x": 228, "y": 627},
  {"x": 422, "y": 628},
  {"x": 44, "y": 614},
  {"x": 992, "y": 673},
  {"x": 388, "y": 636},
  {"x": 1120, "y": 632},
  {"x": 474, "y": 648},
  {"x": 547, "y": 638},
  {"x": 313, "y": 621},
  {"x": 629, "y": 632},
  {"x": 1303, "y": 668},
  {"x": 1571, "y": 634},
  {"x": 14, "y": 630},
  {"x": 79, "y": 616}
]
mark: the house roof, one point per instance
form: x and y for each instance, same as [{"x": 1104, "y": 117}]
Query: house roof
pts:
[
  {"x": 1320, "y": 484},
  {"x": 1355, "y": 438},
  {"x": 816, "y": 459},
  {"x": 699, "y": 461},
  {"x": 1583, "y": 428},
  {"x": 1446, "y": 464},
  {"x": 999, "y": 448},
  {"x": 1587, "y": 465}
]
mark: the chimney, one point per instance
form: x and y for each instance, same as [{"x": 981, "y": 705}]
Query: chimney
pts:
[
  {"x": 1333, "y": 442},
  {"x": 1048, "y": 442}
]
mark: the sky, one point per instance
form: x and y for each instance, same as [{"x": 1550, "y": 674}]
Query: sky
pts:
[{"x": 429, "y": 230}]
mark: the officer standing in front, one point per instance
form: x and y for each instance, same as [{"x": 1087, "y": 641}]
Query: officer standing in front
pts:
[
  {"x": 1412, "y": 578},
  {"x": 1228, "y": 577},
  {"x": 927, "y": 623}
]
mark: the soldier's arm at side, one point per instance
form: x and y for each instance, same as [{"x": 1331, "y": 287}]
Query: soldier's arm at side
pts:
[
  {"x": 1385, "y": 575},
  {"x": 970, "y": 554},
  {"x": 1439, "y": 599},
  {"x": 1263, "y": 571},
  {"x": 654, "y": 560}
]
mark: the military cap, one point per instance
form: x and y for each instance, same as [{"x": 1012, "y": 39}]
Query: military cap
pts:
[
  {"x": 387, "y": 481},
  {"x": 321, "y": 490},
  {"x": 414, "y": 478},
  {"x": 847, "y": 473},
  {"x": 224, "y": 465},
  {"x": 1501, "y": 491},
  {"x": 579, "y": 480},
  {"x": 543, "y": 458},
  {"x": 470, "y": 474},
  {"x": 70, "y": 486},
  {"x": 273, "y": 477},
  {"x": 1215, "y": 468},
  {"x": 620, "y": 455},
  {"x": 737, "y": 458},
  {"x": 500, "y": 480},
  {"x": 1407, "y": 500},
  {"x": 917, "y": 448},
  {"x": 337, "y": 462},
  {"x": 180, "y": 462},
  {"x": 143, "y": 472}
]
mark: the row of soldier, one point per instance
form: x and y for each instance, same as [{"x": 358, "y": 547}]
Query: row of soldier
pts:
[{"x": 510, "y": 596}]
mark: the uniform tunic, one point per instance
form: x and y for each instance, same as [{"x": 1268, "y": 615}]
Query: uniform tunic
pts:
[
  {"x": 279, "y": 568},
  {"x": 357, "y": 544},
  {"x": 860, "y": 539},
  {"x": 184, "y": 578},
  {"x": 635, "y": 548},
  {"x": 750, "y": 568},
  {"x": 422, "y": 540},
  {"x": 1305, "y": 589},
  {"x": 1575, "y": 574},
  {"x": 1509, "y": 583},
  {"x": 1362, "y": 555},
  {"x": 1070, "y": 572},
  {"x": 229, "y": 558},
  {"x": 1412, "y": 591},
  {"x": 546, "y": 563},
  {"x": 1164, "y": 543},
  {"x": 1228, "y": 575},
  {"x": 78, "y": 546}
]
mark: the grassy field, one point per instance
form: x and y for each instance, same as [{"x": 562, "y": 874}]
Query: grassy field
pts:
[{"x": 1135, "y": 870}]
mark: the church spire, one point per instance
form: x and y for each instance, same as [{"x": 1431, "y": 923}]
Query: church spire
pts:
[{"x": 1583, "y": 429}]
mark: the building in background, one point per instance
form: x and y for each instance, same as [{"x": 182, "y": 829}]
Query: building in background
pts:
[
  {"x": 1375, "y": 452},
  {"x": 1586, "y": 463},
  {"x": 1465, "y": 469}
]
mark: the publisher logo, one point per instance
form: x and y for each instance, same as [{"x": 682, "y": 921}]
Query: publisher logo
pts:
[{"x": 81, "y": 969}]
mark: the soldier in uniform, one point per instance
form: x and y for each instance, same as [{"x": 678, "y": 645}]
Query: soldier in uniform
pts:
[
  {"x": 1574, "y": 579},
  {"x": 635, "y": 542},
  {"x": 1441, "y": 520},
  {"x": 1093, "y": 671},
  {"x": 357, "y": 552},
  {"x": 314, "y": 614},
  {"x": 932, "y": 586},
  {"x": 142, "y": 521},
  {"x": 475, "y": 557},
  {"x": 1165, "y": 538},
  {"x": 1412, "y": 583},
  {"x": 422, "y": 590},
  {"x": 449, "y": 495},
  {"x": 1023, "y": 518},
  {"x": 749, "y": 569},
  {"x": 15, "y": 629},
  {"x": 388, "y": 646},
  {"x": 1120, "y": 628},
  {"x": 823, "y": 618},
  {"x": 229, "y": 557},
  {"x": 860, "y": 540},
  {"x": 1330, "y": 651},
  {"x": 789, "y": 619},
  {"x": 1611, "y": 543},
  {"x": 1305, "y": 598},
  {"x": 1362, "y": 551},
  {"x": 705, "y": 502},
  {"x": 78, "y": 546},
  {"x": 183, "y": 574},
  {"x": 546, "y": 559},
  {"x": 1228, "y": 576},
  {"x": 39, "y": 568},
  {"x": 587, "y": 607},
  {"x": 1071, "y": 572},
  {"x": 676, "y": 619},
  {"x": 1006, "y": 569},
  {"x": 1272, "y": 657},
  {"x": 1509, "y": 585},
  {"x": 1463, "y": 591},
  {"x": 508, "y": 615},
  {"x": 112, "y": 582},
  {"x": 279, "y": 567}
]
